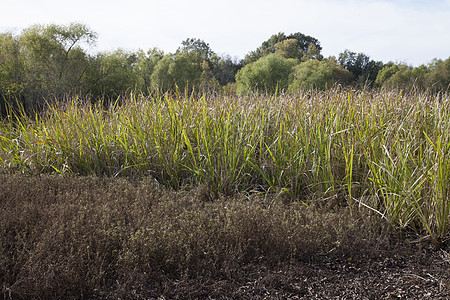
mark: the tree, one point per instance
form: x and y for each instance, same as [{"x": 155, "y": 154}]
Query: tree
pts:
[
  {"x": 226, "y": 69},
  {"x": 44, "y": 62},
  {"x": 319, "y": 74},
  {"x": 55, "y": 59},
  {"x": 176, "y": 70},
  {"x": 402, "y": 76},
  {"x": 12, "y": 72},
  {"x": 266, "y": 74},
  {"x": 434, "y": 76},
  {"x": 145, "y": 67},
  {"x": 112, "y": 73},
  {"x": 360, "y": 64},
  {"x": 313, "y": 53},
  {"x": 287, "y": 48},
  {"x": 387, "y": 72},
  {"x": 197, "y": 49},
  {"x": 304, "y": 41},
  {"x": 439, "y": 77},
  {"x": 203, "y": 58},
  {"x": 293, "y": 49},
  {"x": 266, "y": 48}
]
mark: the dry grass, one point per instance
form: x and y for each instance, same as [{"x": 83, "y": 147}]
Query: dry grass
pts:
[{"x": 86, "y": 237}]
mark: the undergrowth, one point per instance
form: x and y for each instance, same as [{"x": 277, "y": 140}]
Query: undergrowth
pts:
[{"x": 91, "y": 237}]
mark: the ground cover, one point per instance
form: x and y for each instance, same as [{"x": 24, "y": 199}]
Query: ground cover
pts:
[{"x": 94, "y": 238}]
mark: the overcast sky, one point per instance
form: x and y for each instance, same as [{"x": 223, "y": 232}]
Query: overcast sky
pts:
[{"x": 411, "y": 31}]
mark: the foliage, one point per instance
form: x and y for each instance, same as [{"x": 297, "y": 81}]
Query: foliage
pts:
[
  {"x": 12, "y": 72},
  {"x": 226, "y": 69},
  {"x": 403, "y": 76},
  {"x": 318, "y": 74},
  {"x": 197, "y": 49},
  {"x": 395, "y": 75},
  {"x": 439, "y": 77},
  {"x": 46, "y": 63},
  {"x": 55, "y": 60},
  {"x": 268, "y": 74},
  {"x": 385, "y": 151},
  {"x": 313, "y": 52},
  {"x": 111, "y": 74},
  {"x": 291, "y": 46},
  {"x": 215, "y": 71},
  {"x": 176, "y": 71},
  {"x": 435, "y": 76},
  {"x": 145, "y": 67},
  {"x": 363, "y": 68},
  {"x": 287, "y": 48}
]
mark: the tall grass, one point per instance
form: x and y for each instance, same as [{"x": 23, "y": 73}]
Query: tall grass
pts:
[{"x": 384, "y": 150}]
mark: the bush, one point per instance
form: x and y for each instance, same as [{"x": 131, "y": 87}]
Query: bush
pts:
[
  {"x": 319, "y": 74},
  {"x": 178, "y": 71},
  {"x": 93, "y": 238},
  {"x": 435, "y": 76},
  {"x": 439, "y": 77},
  {"x": 266, "y": 74}
]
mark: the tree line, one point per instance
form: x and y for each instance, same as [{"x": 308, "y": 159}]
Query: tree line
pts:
[{"x": 46, "y": 62}]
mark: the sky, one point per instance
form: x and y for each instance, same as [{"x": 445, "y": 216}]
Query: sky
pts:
[{"x": 407, "y": 31}]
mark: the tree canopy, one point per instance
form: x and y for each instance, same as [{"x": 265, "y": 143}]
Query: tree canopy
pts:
[
  {"x": 178, "y": 71},
  {"x": 319, "y": 74},
  {"x": 267, "y": 74},
  {"x": 363, "y": 68},
  {"x": 434, "y": 76},
  {"x": 294, "y": 46},
  {"x": 46, "y": 62}
]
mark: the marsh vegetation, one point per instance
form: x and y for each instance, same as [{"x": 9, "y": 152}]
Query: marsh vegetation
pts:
[
  {"x": 187, "y": 175},
  {"x": 383, "y": 151}
]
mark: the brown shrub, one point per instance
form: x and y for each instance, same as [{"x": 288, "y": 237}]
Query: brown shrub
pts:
[{"x": 87, "y": 236}]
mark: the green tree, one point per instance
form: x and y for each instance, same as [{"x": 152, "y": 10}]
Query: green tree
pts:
[
  {"x": 160, "y": 77},
  {"x": 287, "y": 48},
  {"x": 12, "y": 72},
  {"x": 226, "y": 69},
  {"x": 55, "y": 59},
  {"x": 363, "y": 68},
  {"x": 387, "y": 72},
  {"x": 266, "y": 48},
  {"x": 145, "y": 67},
  {"x": 291, "y": 49},
  {"x": 176, "y": 70},
  {"x": 203, "y": 58},
  {"x": 401, "y": 76},
  {"x": 438, "y": 78},
  {"x": 313, "y": 53},
  {"x": 112, "y": 73},
  {"x": 434, "y": 76},
  {"x": 197, "y": 49},
  {"x": 266, "y": 74},
  {"x": 319, "y": 74}
]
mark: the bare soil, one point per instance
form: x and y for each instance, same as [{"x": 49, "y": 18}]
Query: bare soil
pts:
[{"x": 399, "y": 274}]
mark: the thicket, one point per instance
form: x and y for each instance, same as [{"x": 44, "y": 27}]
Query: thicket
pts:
[{"x": 44, "y": 63}]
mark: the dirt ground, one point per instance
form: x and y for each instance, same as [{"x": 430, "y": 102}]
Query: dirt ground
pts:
[{"x": 402, "y": 275}]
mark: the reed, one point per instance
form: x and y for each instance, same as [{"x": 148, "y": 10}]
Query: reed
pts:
[{"x": 385, "y": 150}]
